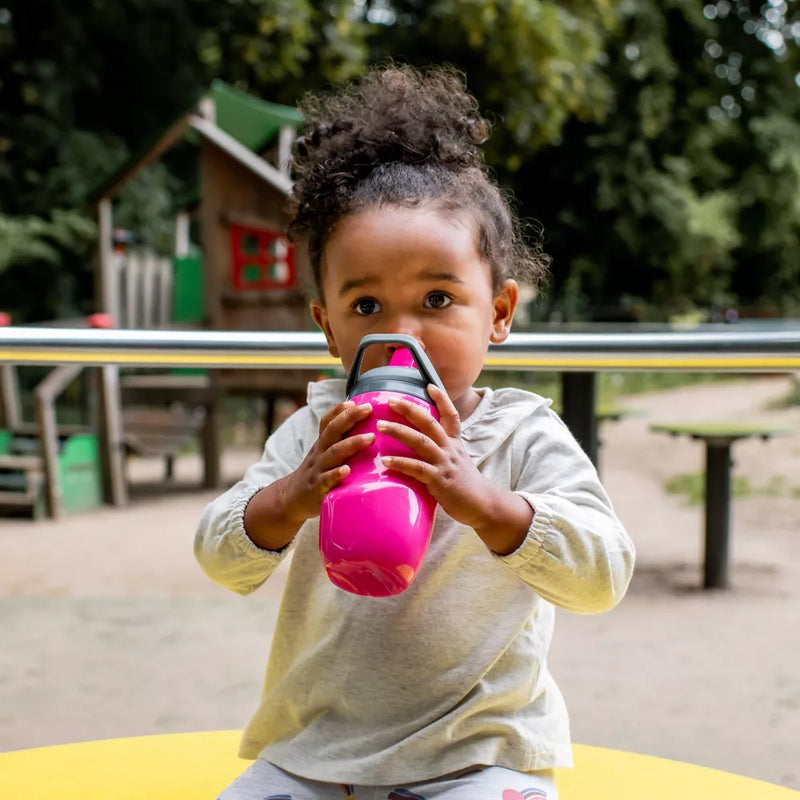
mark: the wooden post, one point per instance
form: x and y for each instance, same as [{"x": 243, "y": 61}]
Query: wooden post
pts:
[
  {"x": 10, "y": 413},
  {"x": 212, "y": 448},
  {"x": 108, "y": 283},
  {"x": 165, "y": 290},
  {"x": 286, "y": 138},
  {"x": 131, "y": 271},
  {"x": 577, "y": 409},
  {"x": 45, "y": 396},
  {"x": 148, "y": 269},
  {"x": 115, "y": 490},
  {"x": 182, "y": 234},
  {"x": 49, "y": 445},
  {"x": 718, "y": 513}
]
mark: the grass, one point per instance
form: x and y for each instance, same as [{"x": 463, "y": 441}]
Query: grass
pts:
[
  {"x": 692, "y": 485},
  {"x": 792, "y": 398},
  {"x": 610, "y": 385}
]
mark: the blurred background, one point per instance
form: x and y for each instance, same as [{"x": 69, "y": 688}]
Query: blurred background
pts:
[{"x": 656, "y": 141}]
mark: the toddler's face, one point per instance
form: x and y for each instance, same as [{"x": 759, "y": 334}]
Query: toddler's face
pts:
[{"x": 419, "y": 272}]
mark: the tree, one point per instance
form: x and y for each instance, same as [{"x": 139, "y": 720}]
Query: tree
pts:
[
  {"x": 688, "y": 193},
  {"x": 656, "y": 140},
  {"x": 83, "y": 85},
  {"x": 532, "y": 63}
]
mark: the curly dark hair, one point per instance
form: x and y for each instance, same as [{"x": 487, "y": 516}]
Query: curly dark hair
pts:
[{"x": 404, "y": 137}]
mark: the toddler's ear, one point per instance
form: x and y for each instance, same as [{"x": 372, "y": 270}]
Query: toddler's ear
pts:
[
  {"x": 505, "y": 301},
  {"x": 320, "y": 316}
]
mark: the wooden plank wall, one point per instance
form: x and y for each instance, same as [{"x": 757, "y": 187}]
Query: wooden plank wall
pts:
[{"x": 145, "y": 282}]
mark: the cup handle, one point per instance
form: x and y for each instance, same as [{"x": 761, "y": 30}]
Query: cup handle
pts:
[{"x": 423, "y": 362}]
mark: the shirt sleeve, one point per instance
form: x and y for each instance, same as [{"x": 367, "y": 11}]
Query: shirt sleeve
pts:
[
  {"x": 221, "y": 545},
  {"x": 576, "y": 554}
]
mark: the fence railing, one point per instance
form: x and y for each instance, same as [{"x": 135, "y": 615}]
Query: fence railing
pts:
[
  {"x": 577, "y": 354},
  {"x": 711, "y": 348}
]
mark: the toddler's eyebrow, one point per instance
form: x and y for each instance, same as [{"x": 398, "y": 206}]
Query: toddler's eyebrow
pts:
[
  {"x": 359, "y": 283},
  {"x": 440, "y": 276}
]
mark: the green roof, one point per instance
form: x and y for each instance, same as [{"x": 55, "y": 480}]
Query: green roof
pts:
[{"x": 251, "y": 121}]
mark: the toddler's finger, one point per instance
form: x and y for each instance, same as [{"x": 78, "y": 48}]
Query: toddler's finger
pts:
[
  {"x": 328, "y": 418},
  {"x": 332, "y": 478},
  {"x": 422, "y": 444},
  {"x": 448, "y": 416},
  {"x": 340, "y": 451},
  {"x": 340, "y": 424},
  {"x": 419, "y": 418},
  {"x": 421, "y": 470},
  {"x": 330, "y": 415}
]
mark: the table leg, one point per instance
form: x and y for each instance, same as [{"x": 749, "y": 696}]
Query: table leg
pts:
[
  {"x": 718, "y": 507},
  {"x": 577, "y": 403},
  {"x": 212, "y": 446}
]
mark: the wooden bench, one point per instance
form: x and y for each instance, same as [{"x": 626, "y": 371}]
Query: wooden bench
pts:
[
  {"x": 197, "y": 766},
  {"x": 153, "y": 431},
  {"x": 718, "y": 439}
]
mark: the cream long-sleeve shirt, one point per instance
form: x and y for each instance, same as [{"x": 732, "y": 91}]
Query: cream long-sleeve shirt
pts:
[{"x": 453, "y": 671}]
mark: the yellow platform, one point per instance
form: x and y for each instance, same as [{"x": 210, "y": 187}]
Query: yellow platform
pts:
[{"x": 195, "y": 766}]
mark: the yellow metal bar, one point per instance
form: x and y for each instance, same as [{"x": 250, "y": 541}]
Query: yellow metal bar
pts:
[
  {"x": 177, "y": 359},
  {"x": 643, "y": 362},
  {"x": 324, "y": 361}
]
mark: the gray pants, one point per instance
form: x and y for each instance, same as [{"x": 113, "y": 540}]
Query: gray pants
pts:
[{"x": 264, "y": 781}]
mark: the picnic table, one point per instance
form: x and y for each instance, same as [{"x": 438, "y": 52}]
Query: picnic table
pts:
[
  {"x": 197, "y": 766},
  {"x": 718, "y": 439}
]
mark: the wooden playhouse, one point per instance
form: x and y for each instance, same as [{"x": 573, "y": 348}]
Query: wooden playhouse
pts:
[{"x": 231, "y": 270}]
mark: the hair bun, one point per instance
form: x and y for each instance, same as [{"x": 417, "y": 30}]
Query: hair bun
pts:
[{"x": 393, "y": 114}]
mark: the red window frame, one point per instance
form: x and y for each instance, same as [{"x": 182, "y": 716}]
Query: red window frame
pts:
[{"x": 255, "y": 255}]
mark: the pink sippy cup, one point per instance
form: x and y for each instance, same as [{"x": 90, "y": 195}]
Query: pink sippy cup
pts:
[{"x": 375, "y": 526}]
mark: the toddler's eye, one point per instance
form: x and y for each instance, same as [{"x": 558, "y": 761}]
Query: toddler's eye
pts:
[
  {"x": 366, "y": 306},
  {"x": 437, "y": 300}
]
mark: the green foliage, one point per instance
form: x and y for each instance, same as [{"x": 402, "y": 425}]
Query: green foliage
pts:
[
  {"x": 278, "y": 47},
  {"x": 687, "y": 194},
  {"x": 146, "y": 206},
  {"x": 658, "y": 141},
  {"x": 40, "y": 239},
  {"x": 533, "y": 63},
  {"x": 43, "y": 262}
]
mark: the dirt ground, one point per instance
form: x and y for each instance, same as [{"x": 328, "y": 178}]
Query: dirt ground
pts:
[{"x": 108, "y": 627}]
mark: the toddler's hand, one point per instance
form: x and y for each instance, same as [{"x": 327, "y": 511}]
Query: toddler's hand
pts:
[
  {"x": 324, "y": 467},
  {"x": 443, "y": 465}
]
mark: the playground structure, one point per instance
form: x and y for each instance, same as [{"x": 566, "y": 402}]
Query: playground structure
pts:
[{"x": 242, "y": 275}]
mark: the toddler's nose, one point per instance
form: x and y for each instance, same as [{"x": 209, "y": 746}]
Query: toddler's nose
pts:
[{"x": 390, "y": 349}]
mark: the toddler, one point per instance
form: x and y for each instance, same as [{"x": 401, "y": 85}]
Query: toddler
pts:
[{"x": 442, "y": 691}]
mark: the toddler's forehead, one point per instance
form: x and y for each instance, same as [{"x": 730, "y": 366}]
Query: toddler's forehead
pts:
[
  {"x": 397, "y": 229},
  {"x": 414, "y": 221}
]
